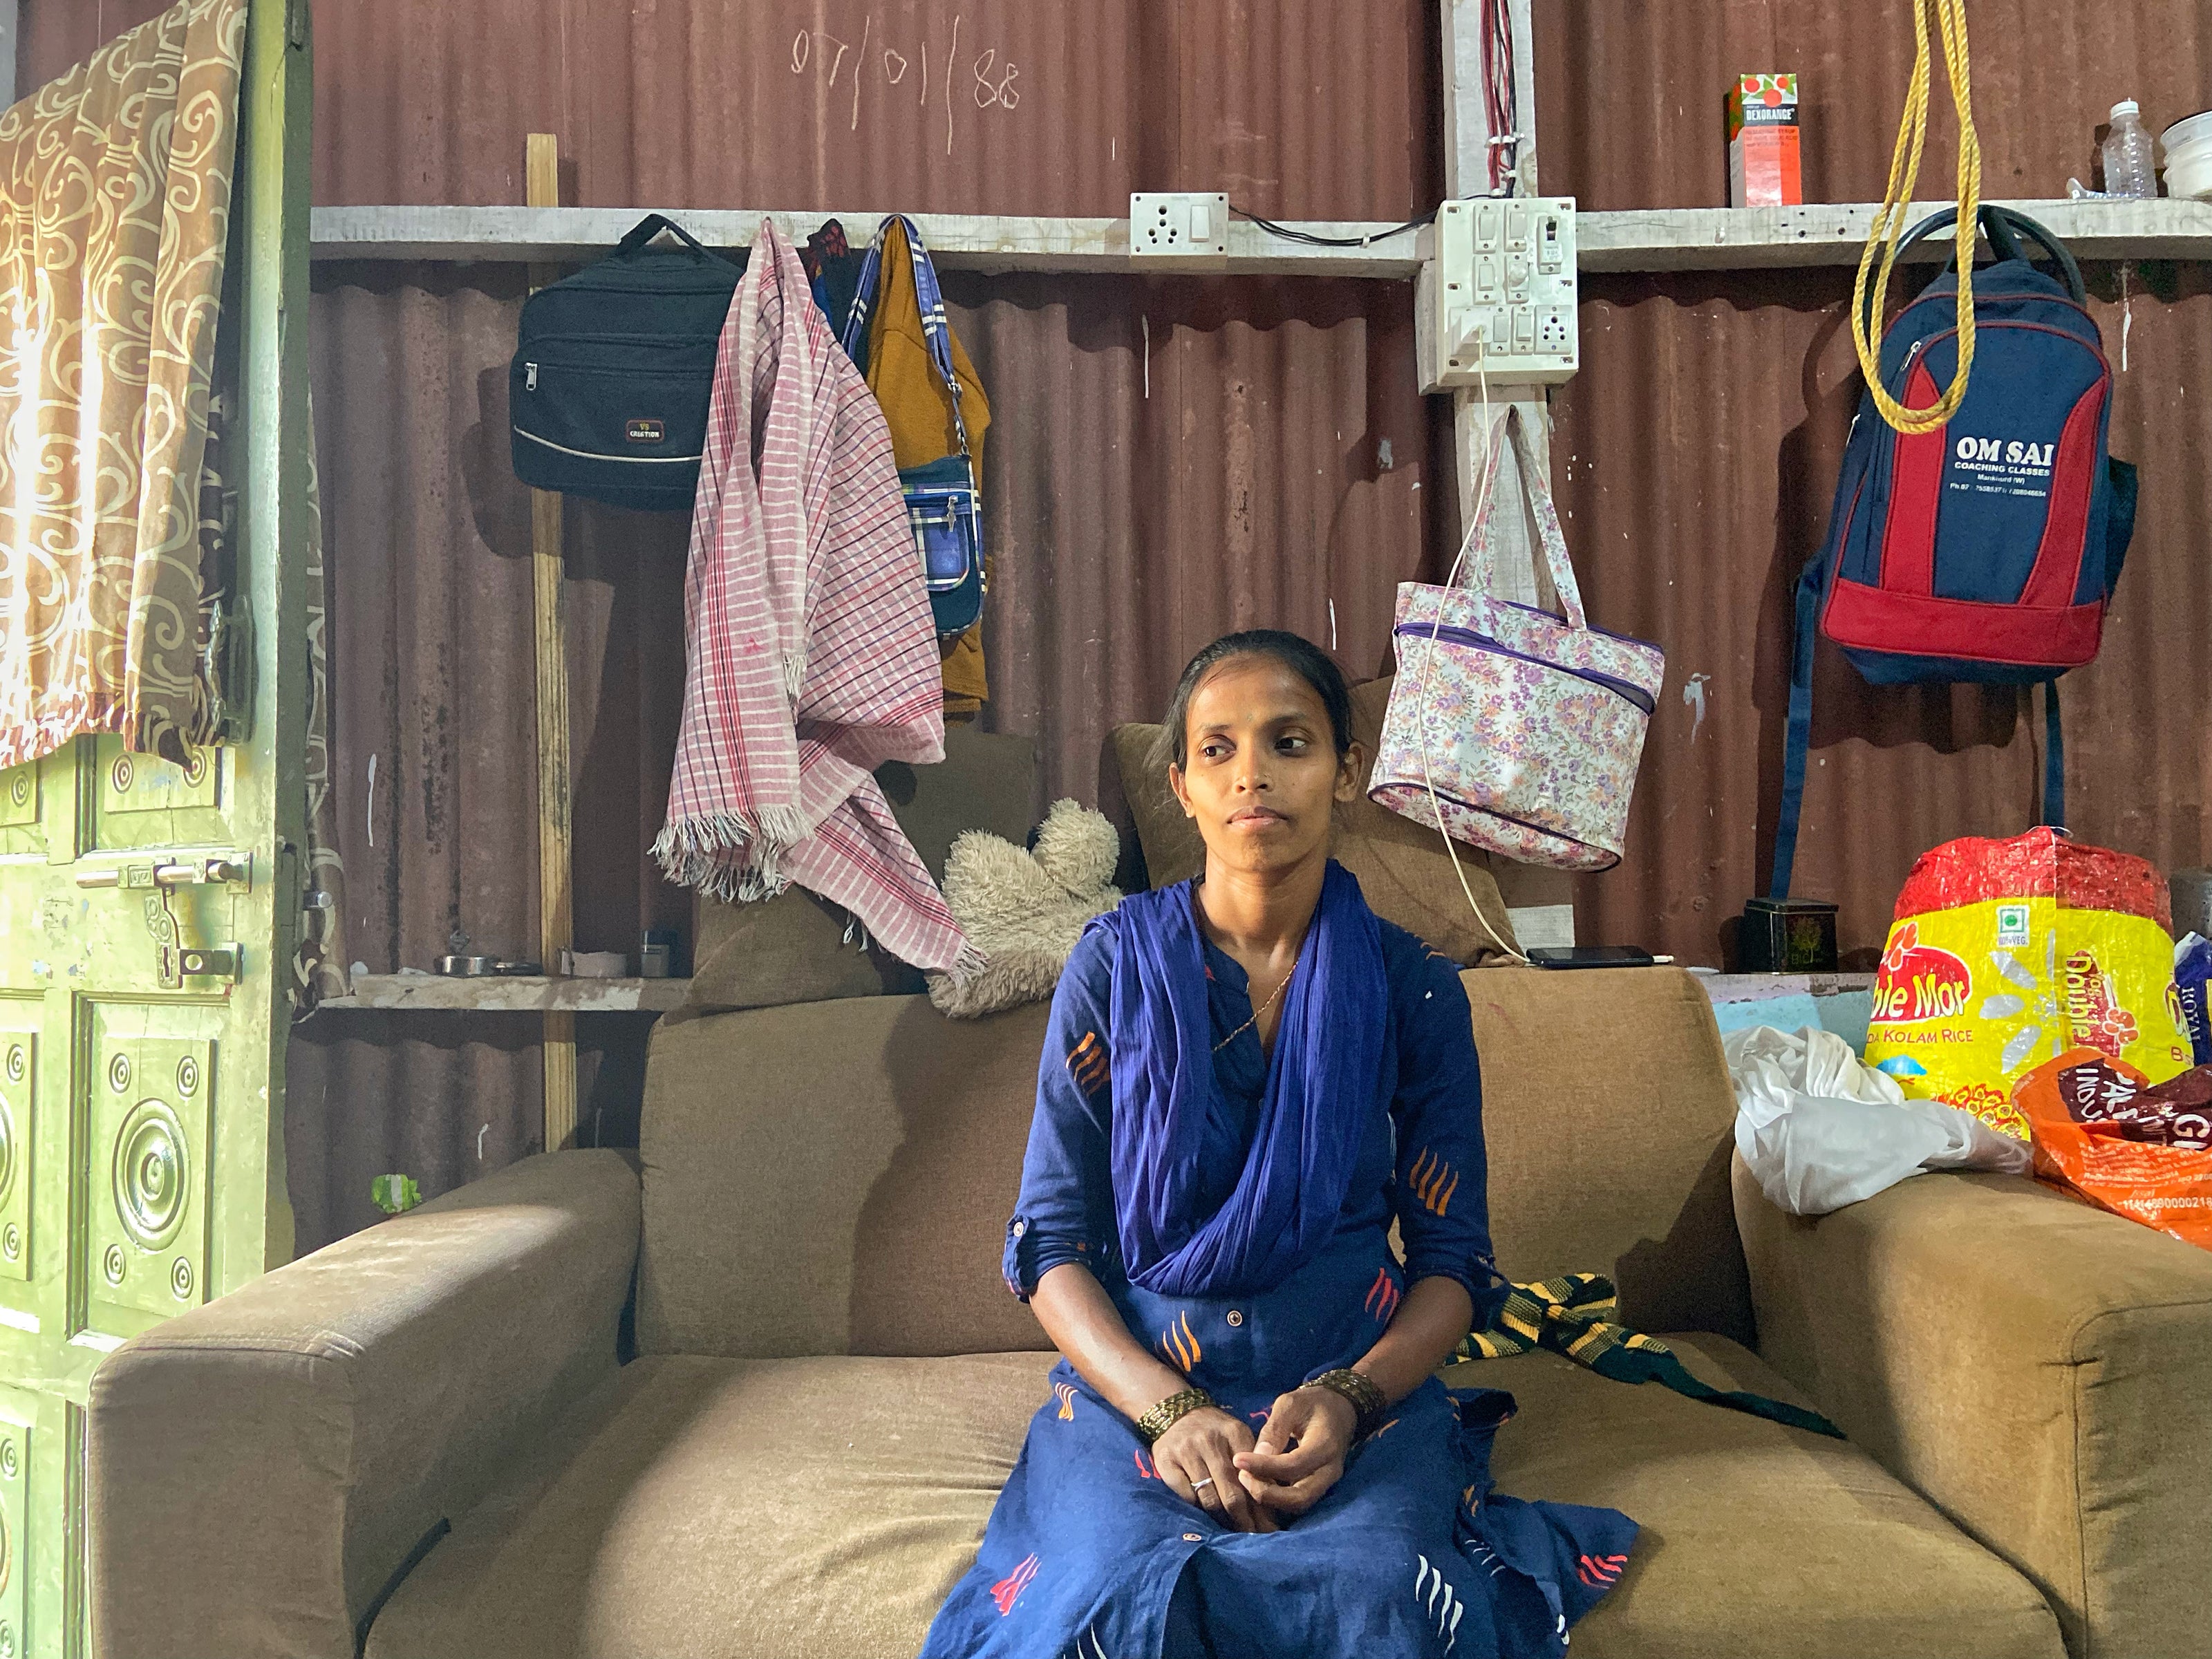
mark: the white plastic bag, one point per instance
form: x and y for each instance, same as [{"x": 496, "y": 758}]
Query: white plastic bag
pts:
[{"x": 1819, "y": 1128}]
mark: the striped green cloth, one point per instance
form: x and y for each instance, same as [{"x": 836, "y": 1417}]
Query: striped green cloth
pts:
[{"x": 1573, "y": 1316}]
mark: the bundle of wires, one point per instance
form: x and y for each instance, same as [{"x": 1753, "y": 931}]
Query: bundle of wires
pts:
[{"x": 1501, "y": 107}]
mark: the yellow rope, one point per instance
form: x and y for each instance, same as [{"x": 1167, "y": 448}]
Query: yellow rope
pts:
[{"x": 1897, "y": 198}]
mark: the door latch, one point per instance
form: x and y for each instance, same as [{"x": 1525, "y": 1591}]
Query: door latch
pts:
[
  {"x": 175, "y": 961},
  {"x": 214, "y": 869},
  {"x": 216, "y": 962}
]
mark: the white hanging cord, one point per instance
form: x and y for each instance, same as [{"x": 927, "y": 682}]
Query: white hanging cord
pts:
[{"x": 1429, "y": 657}]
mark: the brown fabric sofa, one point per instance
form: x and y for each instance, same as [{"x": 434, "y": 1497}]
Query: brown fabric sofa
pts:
[{"x": 421, "y": 1437}]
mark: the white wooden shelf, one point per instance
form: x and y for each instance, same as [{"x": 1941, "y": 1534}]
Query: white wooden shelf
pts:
[
  {"x": 1766, "y": 988},
  {"x": 428, "y": 993},
  {"x": 1736, "y": 238},
  {"x": 957, "y": 241},
  {"x": 1659, "y": 238}
]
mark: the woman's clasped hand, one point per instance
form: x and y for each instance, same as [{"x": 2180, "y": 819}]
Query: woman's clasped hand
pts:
[{"x": 1257, "y": 1483}]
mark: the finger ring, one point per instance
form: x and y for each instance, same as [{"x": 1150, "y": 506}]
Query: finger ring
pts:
[{"x": 1201, "y": 1486}]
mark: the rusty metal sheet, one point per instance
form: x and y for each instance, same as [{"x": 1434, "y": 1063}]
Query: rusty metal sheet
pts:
[
  {"x": 1629, "y": 97},
  {"x": 443, "y": 1097},
  {"x": 1696, "y": 455},
  {"x": 935, "y": 105}
]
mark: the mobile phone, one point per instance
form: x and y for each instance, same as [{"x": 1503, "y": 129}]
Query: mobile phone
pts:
[{"x": 1591, "y": 956}]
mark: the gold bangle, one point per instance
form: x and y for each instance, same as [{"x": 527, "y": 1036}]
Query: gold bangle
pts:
[
  {"x": 1163, "y": 1417},
  {"x": 1361, "y": 1393}
]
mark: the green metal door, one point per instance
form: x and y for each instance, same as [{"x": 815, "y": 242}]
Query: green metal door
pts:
[{"x": 147, "y": 915}]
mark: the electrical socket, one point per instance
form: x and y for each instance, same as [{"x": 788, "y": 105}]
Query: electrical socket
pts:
[
  {"x": 1498, "y": 296},
  {"x": 1183, "y": 227}
]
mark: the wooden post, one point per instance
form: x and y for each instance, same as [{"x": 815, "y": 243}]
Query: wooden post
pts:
[
  {"x": 1539, "y": 901},
  {"x": 1467, "y": 173},
  {"x": 556, "y": 911}
]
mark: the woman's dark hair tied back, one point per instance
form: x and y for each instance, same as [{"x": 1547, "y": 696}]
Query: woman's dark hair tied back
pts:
[{"x": 1300, "y": 656}]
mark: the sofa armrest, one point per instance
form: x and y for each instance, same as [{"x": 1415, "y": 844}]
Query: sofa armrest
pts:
[
  {"x": 262, "y": 1468},
  {"x": 2040, "y": 1369}
]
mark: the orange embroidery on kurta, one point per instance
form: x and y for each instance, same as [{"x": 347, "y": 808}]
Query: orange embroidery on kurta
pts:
[
  {"x": 1088, "y": 1065},
  {"x": 1179, "y": 1344},
  {"x": 1433, "y": 1182}
]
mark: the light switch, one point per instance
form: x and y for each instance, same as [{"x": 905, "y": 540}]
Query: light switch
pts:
[
  {"x": 1547, "y": 243},
  {"x": 1500, "y": 299},
  {"x": 1201, "y": 222}
]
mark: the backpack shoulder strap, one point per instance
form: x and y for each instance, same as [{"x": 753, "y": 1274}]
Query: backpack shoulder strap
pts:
[
  {"x": 2054, "y": 759},
  {"x": 1798, "y": 739},
  {"x": 934, "y": 326}
]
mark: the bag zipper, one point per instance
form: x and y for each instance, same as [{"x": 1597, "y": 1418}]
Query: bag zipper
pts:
[
  {"x": 1626, "y": 691},
  {"x": 530, "y": 372},
  {"x": 1904, "y": 368},
  {"x": 624, "y": 461}
]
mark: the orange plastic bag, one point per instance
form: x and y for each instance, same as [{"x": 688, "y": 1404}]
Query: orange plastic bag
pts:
[{"x": 2103, "y": 1130}]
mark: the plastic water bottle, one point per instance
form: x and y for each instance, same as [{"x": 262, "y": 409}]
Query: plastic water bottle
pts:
[{"x": 2129, "y": 169}]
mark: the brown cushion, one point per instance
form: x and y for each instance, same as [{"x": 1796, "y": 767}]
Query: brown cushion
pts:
[
  {"x": 1757, "y": 1540},
  {"x": 835, "y": 1177},
  {"x": 986, "y": 781},
  {"x": 795, "y": 948},
  {"x": 1607, "y": 1112},
  {"x": 822, "y": 1507},
  {"x": 1404, "y": 870},
  {"x": 810, "y": 1508}
]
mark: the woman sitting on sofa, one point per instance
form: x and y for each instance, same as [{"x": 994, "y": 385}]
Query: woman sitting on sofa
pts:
[{"x": 1248, "y": 1078}]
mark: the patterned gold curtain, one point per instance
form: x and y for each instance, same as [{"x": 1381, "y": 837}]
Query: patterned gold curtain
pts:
[{"x": 115, "y": 187}]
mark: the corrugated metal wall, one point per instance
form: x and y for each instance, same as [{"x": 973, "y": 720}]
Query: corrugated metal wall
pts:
[
  {"x": 1696, "y": 452},
  {"x": 1629, "y": 97},
  {"x": 1169, "y": 458}
]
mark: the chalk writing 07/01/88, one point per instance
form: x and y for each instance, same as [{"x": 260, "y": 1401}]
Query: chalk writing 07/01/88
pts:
[{"x": 991, "y": 81}]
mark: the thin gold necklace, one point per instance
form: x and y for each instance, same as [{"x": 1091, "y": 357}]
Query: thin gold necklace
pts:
[{"x": 1259, "y": 1011}]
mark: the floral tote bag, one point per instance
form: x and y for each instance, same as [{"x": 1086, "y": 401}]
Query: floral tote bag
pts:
[{"x": 1509, "y": 728}]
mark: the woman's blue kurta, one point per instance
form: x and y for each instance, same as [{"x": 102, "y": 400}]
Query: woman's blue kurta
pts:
[{"x": 1089, "y": 1553}]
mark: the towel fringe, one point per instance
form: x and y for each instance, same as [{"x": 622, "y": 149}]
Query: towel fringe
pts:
[{"x": 733, "y": 857}]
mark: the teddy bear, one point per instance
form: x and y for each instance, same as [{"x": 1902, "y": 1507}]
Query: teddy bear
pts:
[{"x": 1025, "y": 910}]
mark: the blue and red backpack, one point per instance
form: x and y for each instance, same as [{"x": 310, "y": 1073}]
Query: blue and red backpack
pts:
[{"x": 1987, "y": 549}]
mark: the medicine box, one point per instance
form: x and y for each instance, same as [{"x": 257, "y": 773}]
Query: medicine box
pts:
[{"x": 1762, "y": 130}]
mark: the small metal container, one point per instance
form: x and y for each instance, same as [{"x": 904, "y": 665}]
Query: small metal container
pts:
[
  {"x": 1787, "y": 936},
  {"x": 468, "y": 967}
]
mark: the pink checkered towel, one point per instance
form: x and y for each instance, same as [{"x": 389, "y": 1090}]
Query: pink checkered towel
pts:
[{"x": 810, "y": 655}]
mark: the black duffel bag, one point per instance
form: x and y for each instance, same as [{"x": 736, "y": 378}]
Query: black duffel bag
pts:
[{"x": 613, "y": 371}]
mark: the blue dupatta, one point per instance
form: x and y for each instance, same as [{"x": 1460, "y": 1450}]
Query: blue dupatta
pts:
[{"x": 1321, "y": 1082}]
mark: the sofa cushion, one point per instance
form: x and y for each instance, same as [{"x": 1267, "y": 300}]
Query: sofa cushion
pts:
[
  {"x": 1404, "y": 870},
  {"x": 795, "y": 947},
  {"x": 799, "y": 948},
  {"x": 718, "y": 1509},
  {"x": 820, "y": 1509},
  {"x": 1758, "y": 1541},
  {"x": 835, "y": 1177},
  {"x": 1609, "y": 1117}
]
